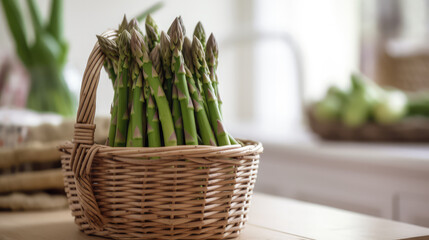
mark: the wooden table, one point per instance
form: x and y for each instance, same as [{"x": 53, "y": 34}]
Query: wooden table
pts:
[{"x": 270, "y": 218}]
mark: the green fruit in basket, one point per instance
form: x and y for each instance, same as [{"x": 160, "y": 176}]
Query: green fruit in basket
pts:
[
  {"x": 362, "y": 85},
  {"x": 418, "y": 104},
  {"x": 328, "y": 109},
  {"x": 357, "y": 109},
  {"x": 362, "y": 99},
  {"x": 337, "y": 92},
  {"x": 391, "y": 108}
]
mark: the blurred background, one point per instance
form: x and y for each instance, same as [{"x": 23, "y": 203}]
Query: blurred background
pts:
[{"x": 337, "y": 147}]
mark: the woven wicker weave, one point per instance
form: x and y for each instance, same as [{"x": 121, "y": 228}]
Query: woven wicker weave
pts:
[{"x": 182, "y": 192}]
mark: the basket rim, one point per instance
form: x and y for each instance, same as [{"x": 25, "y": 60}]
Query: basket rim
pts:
[{"x": 250, "y": 147}]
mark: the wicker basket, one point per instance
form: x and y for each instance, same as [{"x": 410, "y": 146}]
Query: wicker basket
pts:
[
  {"x": 186, "y": 192},
  {"x": 413, "y": 129}
]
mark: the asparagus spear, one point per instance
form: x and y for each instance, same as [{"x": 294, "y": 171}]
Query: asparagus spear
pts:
[
  {"x": 204, "y": 127},
  {"x": 214, "y": 113},
  {"x": 123, "y": 26},
  {"x": 152, "y": 32},
  {"x": 157, "y": 62},
  {"x": 130, "y": 123},
  {"x": 133, "y": 24},
  {"x": 110, "y": 49},
  {"x": 177, "y": 117},
  {"x": 178, "y": 66},
  {"x": 141, "y": 53},
  {"x": 200, "y": 34},
  {"x": 212, "y": 58},
  {"x": 137, "y": 129},
  {"x": 166, "y": 64},
  {"x": 181, "y": 25},
  {"x": 122, "y": 89},
  {"x": 212, "y": 52},
  {"x": 187, "y": 55},
  {"x": 153, "y": 128}
]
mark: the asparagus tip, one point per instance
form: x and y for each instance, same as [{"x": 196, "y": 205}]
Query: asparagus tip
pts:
[
  {"x": 187, "y": 53},
  {"x": 212, "y": 51},
  {"x": 136, "y": 43},
  {"x": 200, "y": 33},
  {"x": 124, "y": 43},
  {"x": 133, "y": 24},
  {"x": 182, "y": 25},
  {"x": 108, "y": 46},
  {"x": 165, "y": 46},
  {"x": 149, "y": 20},
  {"x": 124, "y": 24},
  {"x": 176, "y": 40}
]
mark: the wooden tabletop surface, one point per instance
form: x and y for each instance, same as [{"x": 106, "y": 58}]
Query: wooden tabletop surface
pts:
[{"x": 270, "y": 218}]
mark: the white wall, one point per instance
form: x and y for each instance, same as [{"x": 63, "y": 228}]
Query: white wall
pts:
[
  {"x": 258, "y": 82},
  {"x": 84, "y": 19}
]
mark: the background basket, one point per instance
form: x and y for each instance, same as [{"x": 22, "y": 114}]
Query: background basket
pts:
[
  {"x": 181, "y": 192},
  {"x": 408, "y": 72},
  {"x": 413, "y": 129}
]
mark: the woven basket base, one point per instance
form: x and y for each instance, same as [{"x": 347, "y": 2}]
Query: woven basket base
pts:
[{"x": 192, "y": 197}]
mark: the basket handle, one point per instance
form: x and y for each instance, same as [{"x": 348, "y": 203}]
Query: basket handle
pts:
[{"x": 84, "y": 148}]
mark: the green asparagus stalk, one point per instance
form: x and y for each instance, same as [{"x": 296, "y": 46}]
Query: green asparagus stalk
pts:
[
  {"x": 141, "y": 53},
  {"x": 135, "y": 129},
  {"x": 214, "y": 113},
  {"x": 157, "y": 62},
  {"x": 177, "y": 117},
  {"x": 129, "y": 128},
  {"x": 212, "y": 58},
  {"x": 166, "y": 65},
  {"x": 122, "y": 88},
  {"x": 212, "y": 52},
  {"x": 164, "y": 110},
  {"x": 178, "y": 66},
  {"x": 152, "y": 32},
  {"x": 110, "y": 49},
  {"x": 187, "y": 55},
  {"x": 200, "y": 33},
  {"x": 204, "y": 127},
  {"x": 138, "y": 121},
  {"x": 153, "y": 128},
  {"x": 113, "y": 116}
]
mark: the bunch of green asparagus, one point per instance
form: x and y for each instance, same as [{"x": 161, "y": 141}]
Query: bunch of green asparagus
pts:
[{"x": 166, "y": 87}]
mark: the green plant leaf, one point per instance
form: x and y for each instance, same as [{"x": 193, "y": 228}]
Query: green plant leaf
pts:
[
  {"x": 36, "y": 18},
  {"x": 148, "y": 11},
  {"x": 56, "y": 20},
  {"x": 16, "y": 26}
]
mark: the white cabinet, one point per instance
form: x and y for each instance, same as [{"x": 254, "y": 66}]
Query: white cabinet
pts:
[
  {"x": 388, "y": 181},
  {"x": 413, "y": 208}
]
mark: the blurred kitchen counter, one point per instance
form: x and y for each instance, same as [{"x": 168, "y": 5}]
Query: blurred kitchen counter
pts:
[
  {"x": 269, "y": 218},
  {"x": 388, "y": 180}
]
